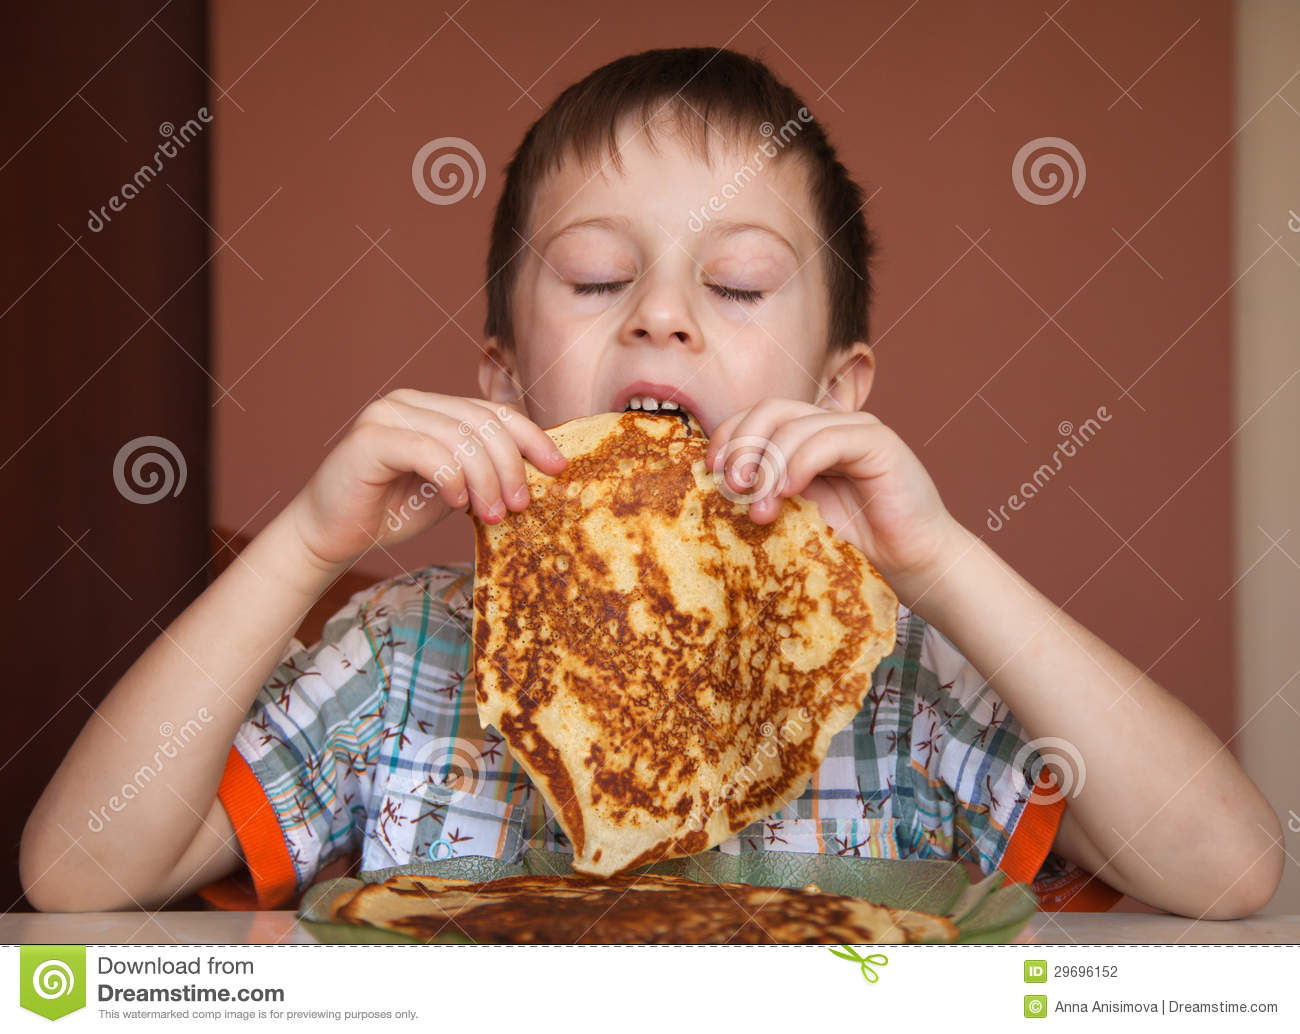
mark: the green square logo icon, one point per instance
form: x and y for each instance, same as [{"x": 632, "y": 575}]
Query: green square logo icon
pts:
[
  {"x": 1035, "y": 971},
  {"x": 1035, "y": 1007},
  {"x": 52, "y": 979}
]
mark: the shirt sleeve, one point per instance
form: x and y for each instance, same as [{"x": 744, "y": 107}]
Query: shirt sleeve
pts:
[
  {"x": 302, "y": 763},
  {"x": 981, "y": 787}
]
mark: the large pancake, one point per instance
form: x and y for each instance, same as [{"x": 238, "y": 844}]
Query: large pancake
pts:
[
  {"x": 665, "y": 670},
  {"x": 630, "y": 909}
]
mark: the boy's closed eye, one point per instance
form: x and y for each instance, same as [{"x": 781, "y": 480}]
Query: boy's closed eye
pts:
[
  {"x": 736, "y": 263},
  {"x": 735, "y": 294}
]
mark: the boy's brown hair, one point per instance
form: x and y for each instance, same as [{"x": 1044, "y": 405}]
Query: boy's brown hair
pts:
[{"x": 696, "y": 89}]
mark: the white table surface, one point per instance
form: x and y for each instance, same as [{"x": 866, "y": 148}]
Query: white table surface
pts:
[{"x": 218, "y": 927}]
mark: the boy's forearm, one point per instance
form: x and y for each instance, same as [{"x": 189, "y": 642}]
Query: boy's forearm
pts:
[
  {"x": 133, "y": 789},
  {"x": 1163, "y": 801}
]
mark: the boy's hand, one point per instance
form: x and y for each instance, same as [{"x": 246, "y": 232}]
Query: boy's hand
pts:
[
  {"x": 407, "y": 461},
  {"x": 870, "y": 487}
]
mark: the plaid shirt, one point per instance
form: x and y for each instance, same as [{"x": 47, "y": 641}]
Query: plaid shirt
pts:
[{"x": 367, "y": 745}]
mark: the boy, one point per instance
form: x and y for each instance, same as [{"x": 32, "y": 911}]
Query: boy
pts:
[{"x": 675, "y": 229}]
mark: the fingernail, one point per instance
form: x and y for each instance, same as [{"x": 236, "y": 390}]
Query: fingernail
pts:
[
  {"x": 521, "y": 494},
  {"x": 495, "y": 512}
]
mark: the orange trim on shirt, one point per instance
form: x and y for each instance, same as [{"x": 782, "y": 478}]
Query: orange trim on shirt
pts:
[
  {"x": 1076, "y": 891},
  {"x": 1032, "y": 838},
  {"x": 1031, "y": 841},
  {"x": 273, "y": 881}
]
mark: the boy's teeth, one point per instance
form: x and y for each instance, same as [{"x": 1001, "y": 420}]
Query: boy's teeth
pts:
[{"x": 649, "y": 404}]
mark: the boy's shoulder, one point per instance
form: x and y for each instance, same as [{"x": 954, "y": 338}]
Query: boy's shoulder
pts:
[{"x": 435, "y": 599}]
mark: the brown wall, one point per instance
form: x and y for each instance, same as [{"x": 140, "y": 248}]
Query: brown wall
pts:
[{"x": 362, "y": 287}]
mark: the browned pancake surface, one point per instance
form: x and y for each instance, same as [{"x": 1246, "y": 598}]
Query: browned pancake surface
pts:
[
  {"x": 665, "y": 670},
  {"x": 629, "y": 909}
]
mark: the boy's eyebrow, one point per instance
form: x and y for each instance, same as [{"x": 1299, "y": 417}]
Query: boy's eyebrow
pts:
[
  {"x": 730, "y": 228},
  {"x": 716, "y": 228},
  {"x": 614, "y": 223}
]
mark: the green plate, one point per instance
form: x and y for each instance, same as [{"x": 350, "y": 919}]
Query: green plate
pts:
[{"x": 984, "y": 913}]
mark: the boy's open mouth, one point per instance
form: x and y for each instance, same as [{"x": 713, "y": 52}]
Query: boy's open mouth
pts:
[
  {"x": 649, "y": 405},
  {"x": 643, "y": 397}
]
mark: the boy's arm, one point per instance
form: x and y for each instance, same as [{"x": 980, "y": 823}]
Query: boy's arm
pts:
[
  {"x": 1161, "y": 809},
  {"x": 164, "y": 732}
]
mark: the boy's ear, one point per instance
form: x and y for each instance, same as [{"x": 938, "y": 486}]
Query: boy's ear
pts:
[
  {"x": 497, "y": 379},
  {"x": 847, "y": 378}
]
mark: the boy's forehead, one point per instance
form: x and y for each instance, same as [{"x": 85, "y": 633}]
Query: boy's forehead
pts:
[{"x": 664, "y": 181}]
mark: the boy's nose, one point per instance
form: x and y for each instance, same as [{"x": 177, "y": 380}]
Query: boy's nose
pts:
[{"x": 661, "y": 317}]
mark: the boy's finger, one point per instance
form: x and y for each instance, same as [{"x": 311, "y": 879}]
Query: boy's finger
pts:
[
  {"x": 535, "y": 444},
  {"x": 832, "y": 447},
  {"x": 390, "y": 451},
  {"x": 467, "y": 437},
  {"x": 483, "y": 415},
  {"x": 434, "y": 462},
  {"x": 469, "y": 456},
  {"x": 504, "y": 454},
  {"x": 757, "y": 425},
  {"x": 481, "y": 476},
  {"x": 791, "y": 436},
  {"x": 720, "y": 441},
  {"x": 747, "y": 461}
]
